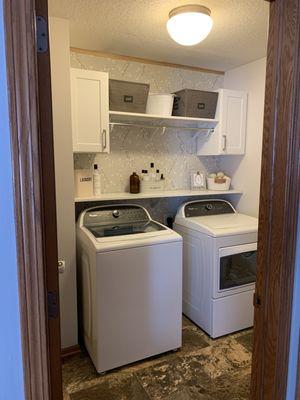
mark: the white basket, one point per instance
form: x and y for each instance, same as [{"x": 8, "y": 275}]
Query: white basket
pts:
[
  {"x": 212, "y": 185},
  {"x": 152, "y": 186},
  {"x": 160, "y": 104}
]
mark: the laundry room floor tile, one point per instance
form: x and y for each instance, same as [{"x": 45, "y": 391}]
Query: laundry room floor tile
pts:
[
  {"x": 114, "y": 388},
  {"x": 187, "y": 323},
  {"x": 192, "y": 341},
  {"x": 204, "y": 369},
  {"x": 246, "y": 341},
  {"x": 197, "y": 374},
  {"x": 78, "y": 370}
]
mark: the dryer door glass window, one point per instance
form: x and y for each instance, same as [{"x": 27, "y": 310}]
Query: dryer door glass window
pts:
[{"x": 237, "y": 269}]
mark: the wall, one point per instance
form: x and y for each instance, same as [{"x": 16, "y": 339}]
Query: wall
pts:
[
  {"x": 245, "y": 170},
  {"x": 11, "y": 368},
  {"x": 295, "y": 327},
  {"x": 132, "y": 149},
  {"x": 173, "y": 152},
  {"x": 61, "y": 105}
]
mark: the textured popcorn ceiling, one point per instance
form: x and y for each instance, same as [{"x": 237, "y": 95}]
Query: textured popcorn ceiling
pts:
[{"x": 138, "y": 28}]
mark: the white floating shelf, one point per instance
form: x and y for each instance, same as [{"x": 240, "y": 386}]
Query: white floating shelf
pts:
[
  {"x": 157, "y": 121},
  {"x": 156, "y": 195}
]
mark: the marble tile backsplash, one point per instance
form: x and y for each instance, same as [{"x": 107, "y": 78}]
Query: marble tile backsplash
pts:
[{"x": 133, "y": 149}]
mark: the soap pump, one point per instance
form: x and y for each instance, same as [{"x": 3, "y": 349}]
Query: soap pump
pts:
[{"x": 96, "y": 181}]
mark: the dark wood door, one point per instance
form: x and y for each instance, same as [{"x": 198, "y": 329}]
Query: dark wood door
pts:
[
  {"x": 49, "y": 206},
  {"x": 279, "y": 201},
  {"x": 32, "y": 142}
]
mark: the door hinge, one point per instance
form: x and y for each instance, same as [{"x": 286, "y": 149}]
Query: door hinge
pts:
[
  {"x": 41, "y": 34},
  {"x": 256, "y": 300},
  {"x": 52, "y": 304}
]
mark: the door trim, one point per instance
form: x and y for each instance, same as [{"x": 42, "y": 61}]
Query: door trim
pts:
[
  {"x": 279, "y": 200},
  {"x": 34, "y": 196}
]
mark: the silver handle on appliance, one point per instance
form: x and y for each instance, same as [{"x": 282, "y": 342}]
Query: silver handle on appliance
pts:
[
  {"x": 104, "y": 144},
  {"x": 224, "y": 142}
]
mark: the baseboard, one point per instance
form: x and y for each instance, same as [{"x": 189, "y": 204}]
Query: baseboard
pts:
[{"x": 69, "y": 352}]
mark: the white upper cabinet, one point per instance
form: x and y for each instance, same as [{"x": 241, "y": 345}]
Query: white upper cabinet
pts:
[
  {"x": 90, "y": 111},
  {"x": 229, "y": 136}
]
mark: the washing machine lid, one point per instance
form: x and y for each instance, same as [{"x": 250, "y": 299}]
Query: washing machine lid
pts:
[
  {"x": 117, "y": 227},
  {"x": 215, "y": 218},
  {"x": 103, "y": 231},
  {"x": 119, "y": 220}
]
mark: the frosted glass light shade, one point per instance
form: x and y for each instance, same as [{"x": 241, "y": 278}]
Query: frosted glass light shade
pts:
[{"x": 189, "y": 25}]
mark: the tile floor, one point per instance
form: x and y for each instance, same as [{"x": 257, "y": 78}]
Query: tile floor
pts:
[{"x": 202, "y": 369}]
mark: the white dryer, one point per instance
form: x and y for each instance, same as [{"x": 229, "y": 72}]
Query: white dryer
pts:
[
  {"x": 219, "y": 265},
  {"x": 130, "y": 277}
]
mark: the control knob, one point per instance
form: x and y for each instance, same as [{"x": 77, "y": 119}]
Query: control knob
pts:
[{"x": 116, "y": 213}]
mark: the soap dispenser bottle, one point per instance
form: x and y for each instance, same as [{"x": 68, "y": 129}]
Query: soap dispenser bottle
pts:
[
  {"x": 152, "y": 172},
  {"x": 96, "y": 181},
  {"x": 157, "y": 177}
]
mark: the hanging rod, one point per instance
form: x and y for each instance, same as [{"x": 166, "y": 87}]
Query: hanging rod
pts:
[{"x": 160, "y": 126}]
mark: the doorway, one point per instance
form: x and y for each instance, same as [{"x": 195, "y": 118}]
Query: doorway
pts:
[{"x": 290, "y": 131}]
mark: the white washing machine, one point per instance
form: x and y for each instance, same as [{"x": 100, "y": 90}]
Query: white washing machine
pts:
[
  {"x": 219, "y": 265},
  {"x": 130, "y": 279}
]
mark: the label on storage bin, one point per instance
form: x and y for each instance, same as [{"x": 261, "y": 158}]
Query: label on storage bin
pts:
[{"x": 83, "y": 180}]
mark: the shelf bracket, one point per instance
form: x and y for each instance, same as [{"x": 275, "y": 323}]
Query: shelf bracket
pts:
[
  {"x": 112, "y": 127},
  {"x": 208, "y": 132}
]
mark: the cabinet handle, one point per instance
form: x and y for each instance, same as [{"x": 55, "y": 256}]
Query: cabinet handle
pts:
[
  {"x": 224, "y": 142},
  {"x": 104, "y": 144}
]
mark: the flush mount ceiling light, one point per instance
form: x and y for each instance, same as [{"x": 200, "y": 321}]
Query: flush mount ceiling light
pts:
[{"x": 190, "y": 24}]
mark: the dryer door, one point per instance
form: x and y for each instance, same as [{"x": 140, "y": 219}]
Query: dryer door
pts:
[{"x": 235, "y": 269}]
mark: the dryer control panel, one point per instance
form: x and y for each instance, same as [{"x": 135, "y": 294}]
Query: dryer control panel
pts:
[{"x": 207, "y": 207}]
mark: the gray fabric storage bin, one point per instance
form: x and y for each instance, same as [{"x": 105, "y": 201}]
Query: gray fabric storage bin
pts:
[
  {"x": 195, "y": 103},
  {"x": 128, "y": 96}
]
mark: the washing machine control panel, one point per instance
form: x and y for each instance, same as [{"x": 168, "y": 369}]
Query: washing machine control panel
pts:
[
  {"x": 107, "y": 215},
  {"x": 204, "y": 207},
  {"x": 116, "y": 213}
]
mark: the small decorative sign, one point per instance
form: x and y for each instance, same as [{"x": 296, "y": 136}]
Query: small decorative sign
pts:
[{"x": 198, "y": 181}]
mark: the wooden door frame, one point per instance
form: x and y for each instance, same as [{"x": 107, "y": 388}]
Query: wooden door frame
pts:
[
  {"x": 29, "y": 88},
  {"x": 32, "y": 153},
  {"x": 279, "y": 204}
]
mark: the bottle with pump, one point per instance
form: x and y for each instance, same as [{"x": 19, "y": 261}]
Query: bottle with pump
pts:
[
  {"x": 96, "y": 181},
  {"x": 157, "y": 175},
  {"x": 152, "y": 172},
  {"x": 134, "y": 183},
  {"x": 145, "y": 175},
  {"x": 162, "y": 181}
]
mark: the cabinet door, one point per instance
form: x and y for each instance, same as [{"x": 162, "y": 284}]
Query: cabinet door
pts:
[
  {"x": 90, "y": 111},
  {"x": 229, "y": 136},
  {"x": 232, "y": 121}
]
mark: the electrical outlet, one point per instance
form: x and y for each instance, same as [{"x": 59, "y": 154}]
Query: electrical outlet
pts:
[{"x": 168, "y": 221}]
